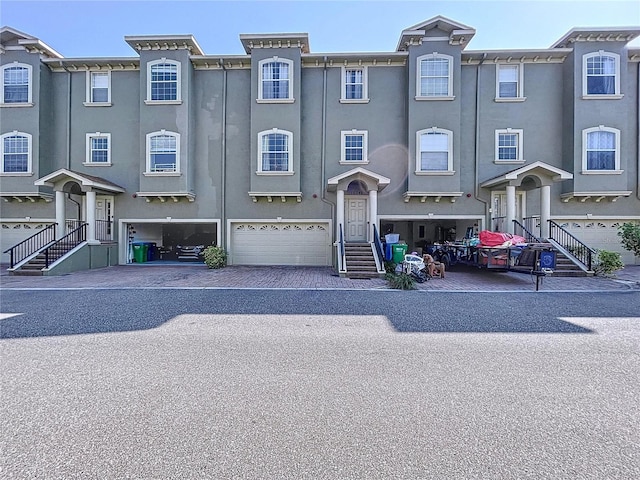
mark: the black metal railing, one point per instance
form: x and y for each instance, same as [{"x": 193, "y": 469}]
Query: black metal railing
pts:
[
  {"x": 31, "y": 245},
  {"x": 520, "y": 229},
  {"x": 571, "y": 244},
  {"x": 532, "y": 224},
  {"x": 497, "y": 223},
  {"x": 342, "y": 262},
  {"x": 378, "y": 244},
  {"x": 71, "y": 225},
  {"x": 64, "y": 245},
  {"x": 104, "y": 230}
]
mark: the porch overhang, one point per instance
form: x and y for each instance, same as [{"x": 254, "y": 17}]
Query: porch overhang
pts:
[
  {"x": 358, "y": 174},
  {"x": 542, "y": 170},
  {"x": 87, "y": 182}
]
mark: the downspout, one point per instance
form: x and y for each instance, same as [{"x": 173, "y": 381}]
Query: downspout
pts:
[
  {"x": 223, "y": 173},
  {"x": 323, "y": 148},
  {"x": 68, "y": 132},
  {"x": 476, "y": 187},
  {"x": 638, "y": 136}
]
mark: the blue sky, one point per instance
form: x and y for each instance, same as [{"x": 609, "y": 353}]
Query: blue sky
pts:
[{"x": 87, "y": 28}]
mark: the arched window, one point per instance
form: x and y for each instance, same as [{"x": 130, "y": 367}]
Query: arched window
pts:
[
  {"x": 601, "y": 74},
  {"x": 275, "y": 151},
  {"x": 163, "y": 81},
  {"x": 16, "y": 84},
  {"x": 163, "y": 152},
  {"x": 601, "y": 150},
  {"x": 276, "y": 82},
  {"x": 434, "y": 150},
  {"x": 434, "y": 76},
  {"x": 16, "y": 152}
]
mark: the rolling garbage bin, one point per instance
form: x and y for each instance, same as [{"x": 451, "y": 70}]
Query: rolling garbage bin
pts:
[
  {"x": 151, "y": 251},
  {"x": 140, "y": 252},
  {"x": 388, "y": 251},
  {"x": 399, "y": 251}
]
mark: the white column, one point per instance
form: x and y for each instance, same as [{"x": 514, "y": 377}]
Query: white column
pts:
[
  {"x": 373, "y": 212},
  {"x": 60, "y": 214},
  {"x": 91, "y": 217},
  {"x": 340, "y": 214},
  {"x": 511, "y": 208},
  {"x": 545, "y": 210}
]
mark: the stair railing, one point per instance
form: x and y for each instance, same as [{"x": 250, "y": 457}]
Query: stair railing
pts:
[
  {"x": 378, "y": 245},
  {"x": 31, "y": 245},
  {"x": 342, "y": 260},
  {"x": 64, "y": 245},
  {"x": 520, "y": 229},
  {"x": 104, "y": 230},
  {"x": 581, "y": 252}
]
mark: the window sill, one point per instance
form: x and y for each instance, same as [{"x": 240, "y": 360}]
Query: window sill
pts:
[
  {"x": 163, "y": 102},
  {"x": 354, "y": 100},
  {"x": 423, "y": 99},
  {"x": 162, "y": 174},
  {"x": 275, "y": 100},
  {"x": 602, "y": 172},
  {"x": 96, "y": 104},
  {"x": 274, "y": 173},
  {"x": 509, "y": 162},
  {"x": 435, "y": 172},
  {"x": 509, "y": 99},
  {"x": 16, "y": 174},
  {"x": 97, "y": 164},
  {"x": 602, "y": 97},
  {"x": 354, "y": 162},
  {"x": 16, "y": 105}
]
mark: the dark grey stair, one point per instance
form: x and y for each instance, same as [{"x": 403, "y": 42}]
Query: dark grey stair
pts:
[{"x": 360, "y": 261}]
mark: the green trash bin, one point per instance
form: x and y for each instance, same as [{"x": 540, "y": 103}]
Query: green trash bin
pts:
[
  {"x": 140, "y": 252},
  {"x": 399, "y": 251}
]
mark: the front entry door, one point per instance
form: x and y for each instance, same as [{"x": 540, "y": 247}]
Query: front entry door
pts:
[
  {"x": 104, "y": 217},
  {"x": 356, "y": 219}
]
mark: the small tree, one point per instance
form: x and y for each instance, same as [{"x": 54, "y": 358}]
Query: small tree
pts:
[
  {"x": 215, "y": 257},
  {"x": 608, "y": 262},
  {"x": 630, "y": 237}
]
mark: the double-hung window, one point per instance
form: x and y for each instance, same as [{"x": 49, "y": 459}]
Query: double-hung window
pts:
[
  {"x": 434, "y": 77},
  {"x": 354, "y": 85},
  {"x": 275, "y": 152},
  {"x": 434, "y": 151},
  {"x": 98, "y": 149},
  {"x": 16, "y": 84},
  {"x": 16, "y": 153},
  {"x": 601, "y": 150},
  {"x": 509, "y": 146},
  {"x": 276, "y": 83},
  {"x": 163, "y": 84},
  {"x": 354, "y": 146},
  {"x": 509, "y": 82},
  {"x": 163, "y": 152},
  {"x": 601, "y": 75},
  {"x": 98, "y": 88}
]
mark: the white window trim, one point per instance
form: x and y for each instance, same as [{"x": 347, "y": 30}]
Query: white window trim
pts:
[
  {"x": 29, "y": 102},
  {"x": 449, "y": 170},
  {"x": 365, "y": 85},
  {"x": 289, "y": 135},
  {"x": 289, "y": 98},
  {"x": 29, "y": 171},
  {"x": 428, "y": 56},
  {"x": 148, "y": 171},
  {"x": 585, "y": 95},
  {"x": 517, "y": 131},
  {"x": 178, "y": 99},
  {"x": 520, "y": 91},
  {"x": 365, "y": 147},
  {"x": 602, "y": 128},
  {"x": 88, "y": 102},
  {"x": 88, "y": 161}
]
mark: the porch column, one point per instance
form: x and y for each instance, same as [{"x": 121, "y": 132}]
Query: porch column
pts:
[
  {"x": 339, "y": 213},
  {"x": 545, "y": 210},
  {"x": 511, "y": 207},
  {"x": 373, "y": 212},
  {"x": 91, "y": 217},
  {"x": 60, "y": 214}
]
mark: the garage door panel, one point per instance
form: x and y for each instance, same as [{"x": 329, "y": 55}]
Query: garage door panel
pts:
[
  {"x": 280, "y": 244},
  {"x": 599, "y": 235},
  {"x": 12, "y": 233}
]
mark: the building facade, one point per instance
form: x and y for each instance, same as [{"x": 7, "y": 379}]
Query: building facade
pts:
[{"x": 277, "y": 154}]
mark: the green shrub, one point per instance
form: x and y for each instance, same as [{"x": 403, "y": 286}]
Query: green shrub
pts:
[
  {"x": 389, "y": 266},
  {"x": 608, "y": 262},
  {"x": 630, "y": 237},
  {"x": 215, "y": 257},
  {"x": 400, "y": 281}
]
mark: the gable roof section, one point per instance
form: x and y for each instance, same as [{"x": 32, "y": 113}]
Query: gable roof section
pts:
[
  {"x": 556, "y": 174},
  {"x": 458, "y": 33},
  {"x": 599, "y": 34},
  {"x": 380, "y": 180},
  {"x": 82, "y": 178},
  {"x": 12, "y": 38},
  {"x": 164, "y": 42}
]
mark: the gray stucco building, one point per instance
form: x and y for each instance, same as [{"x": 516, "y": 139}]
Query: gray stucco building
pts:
[{"x": 277, "y": 154}]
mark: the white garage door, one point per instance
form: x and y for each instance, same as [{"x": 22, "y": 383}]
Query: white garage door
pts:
[
  {"x": 292, "y": 243},
  {"x": 12, "y": 233},
  {"x": 599, "y": 235}
]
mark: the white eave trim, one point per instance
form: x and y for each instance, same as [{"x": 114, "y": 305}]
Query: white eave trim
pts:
[
  {"x": 278, "y": 195},
  {"x": 595, "y": 196},
  {"x": 436, "y": 196},
  {"x": 380, "y": 179},
  {"x": 556, "y": 174},
  {"x": 164, "y": 196},
  {"x": 85, "y": 181}
]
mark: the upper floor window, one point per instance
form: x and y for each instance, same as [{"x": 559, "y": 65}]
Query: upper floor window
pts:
[
  {"x": 509, "y": 146},
  {"x": 275, "y": 151},
  {"x": 275, "y": 82},
  {"x": 163, "y": 152},
  {"x": 163, "y": 83},
  {"x": 435, "y": 78},
  {"x": 354, "y": 85},
  {"x": 601, "y": 75},
  {"x": 509, "y": 82},
  {"x": 16, "y": 153},
  {"x": 98, "y": 149},
  {"x": 16, "y": 84},
  {"x": 98, "y": 88},
  {"x": 435, "y": 150},
  {"x": 601, "y": 150},
  {"x": 354, "y": 146}
]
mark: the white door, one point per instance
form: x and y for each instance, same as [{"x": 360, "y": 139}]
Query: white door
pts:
[
  {"x": 284, "y": 243},
  {"x": 499, "y": 214},
  {"x": 356, "y": 219},
  {"x": 104, "y": 217}
]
